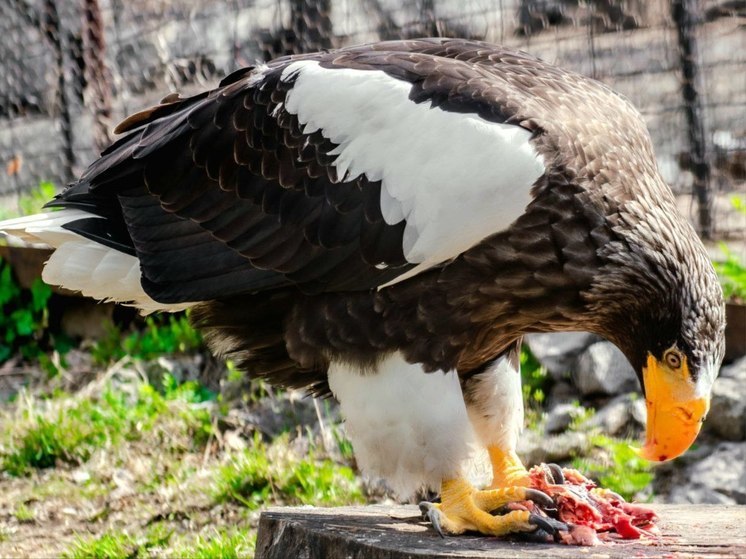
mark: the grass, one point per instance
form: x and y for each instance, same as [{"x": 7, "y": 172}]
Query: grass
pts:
[
  {"x": 121, "y": 545},
  {"x": 161, "y": 335},
  {"x": 159, "y": 540},
  {"x": 139, "y": 470},
  {"x": 616, "y": 466},
  {"x": 221, "y": 544},
  {"x": 23, "y": 315},
  {"x": 535, "y": 383},
  {"x": 732, "y": 273},
  {"x": 114, "y": 545},
  {"x": 24, "y": 514},
  {"x": 613, "y": 462},
  {"x": 64, "y": 430},
  {"x": 266, "y": 473}
]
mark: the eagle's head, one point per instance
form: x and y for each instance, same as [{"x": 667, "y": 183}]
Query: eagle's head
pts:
[{"x": 664, "y": 308}]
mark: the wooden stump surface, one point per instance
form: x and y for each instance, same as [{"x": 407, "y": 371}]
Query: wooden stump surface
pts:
[{"x": 398, "y": 532}]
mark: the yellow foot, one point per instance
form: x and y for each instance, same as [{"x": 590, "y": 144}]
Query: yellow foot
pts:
[
  {"x": 507, "y": 469},
  {"x": 463, "y": 508}
]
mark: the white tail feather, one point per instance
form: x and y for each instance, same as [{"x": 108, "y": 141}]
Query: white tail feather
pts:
[
  {"x": 44, "y": 228},
  {"x": 80, "y": 264}
]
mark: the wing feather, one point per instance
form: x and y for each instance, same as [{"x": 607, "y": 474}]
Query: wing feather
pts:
[{"x": 239, "y": 190}]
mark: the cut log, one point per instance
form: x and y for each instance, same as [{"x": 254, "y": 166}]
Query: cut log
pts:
[{"x": 398, "y": 532}]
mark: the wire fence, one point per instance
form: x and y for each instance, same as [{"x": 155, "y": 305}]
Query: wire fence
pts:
[{"x": 71, "y": 69}]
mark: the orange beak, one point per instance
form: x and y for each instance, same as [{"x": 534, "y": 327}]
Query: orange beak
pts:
[{"x": 675, "y": 413}]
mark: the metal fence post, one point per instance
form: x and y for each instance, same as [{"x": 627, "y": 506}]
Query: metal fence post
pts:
[
  {"x": 53, "y": 33},
  {"x": 685, "y": 16}
]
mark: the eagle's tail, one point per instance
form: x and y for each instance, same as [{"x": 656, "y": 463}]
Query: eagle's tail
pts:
[{"x": 82, "y": 264}]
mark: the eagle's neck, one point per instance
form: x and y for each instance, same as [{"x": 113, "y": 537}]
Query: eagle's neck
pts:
[{"x": 650, "y": 292}]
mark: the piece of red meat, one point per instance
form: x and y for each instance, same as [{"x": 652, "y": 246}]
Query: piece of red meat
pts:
[
  {"x": 591, "y": 510},
  {"x": 580, "y": 535}
]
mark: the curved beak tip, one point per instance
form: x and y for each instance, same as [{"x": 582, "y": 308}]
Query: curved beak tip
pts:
[
  {"x": 672, "y": 430},
  {"x": 675, "y": 411}
]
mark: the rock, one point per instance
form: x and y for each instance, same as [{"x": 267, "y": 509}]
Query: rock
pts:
[
  {"x": 562, "y": 392},
  {"x": 535, "y": 448},
  {"x": 736, "y": 370},
  {"x": 727, "y": 416},
  {"x": 286, "y": 411},
  {"x": 603, "y": 369},
  {"x": 560, "y": 417},
  {"x": 719, "y": 477},
  {"x": 558, "y": 352},
  {"x": 623, "y": 415}
]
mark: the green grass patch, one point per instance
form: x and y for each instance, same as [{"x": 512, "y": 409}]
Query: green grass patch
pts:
[
  {"x": 24, "y": 514},
  {"x": 222, "y": 544},
  {"x": 732, "y": 273},
  {"x": 166, "y": 334},
  {"x": 31, "y": 202},
  {"x": 23, "y": 315},
  {"x": 23, "y": 312},
  {"x": 616, "y": 466},
  {"x": 535, "y": 384},
  {"x": 274, "y": 473},
  {"x": 120, "y": 545},
  {"x": 114, "y": 545},
  {"x": 70, "y": 429},
  {"x": 159, "y": 541}
]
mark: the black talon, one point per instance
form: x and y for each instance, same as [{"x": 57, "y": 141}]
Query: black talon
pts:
[
  {"x": 557, "y": 475},
  {"x": 549, "y": 525},
  {"x": 540, "y": 498},
  {"x": 429, "y": 512}
]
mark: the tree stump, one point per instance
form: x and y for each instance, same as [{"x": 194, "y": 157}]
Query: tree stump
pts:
[{"x": 398, "y": 532}]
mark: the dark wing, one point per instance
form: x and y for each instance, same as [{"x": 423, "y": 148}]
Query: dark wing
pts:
[{"x": 227, "y": 192}]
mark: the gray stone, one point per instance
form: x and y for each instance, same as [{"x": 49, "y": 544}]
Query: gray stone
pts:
[
  {"x": 560, "y": 417},
  {"x": 535, "y": 448},
  {"x": 279, "y": 413},
  {"x": 719, "y": 477},
  {"x": 558, "y": 352},
  {"x": 562, "y": 392},
  {"x": 736, "y": 370},
  {"x": 623, "y": 415},
  {"x": 727, "y": 416},
  {"x": 603, "y": 369}
]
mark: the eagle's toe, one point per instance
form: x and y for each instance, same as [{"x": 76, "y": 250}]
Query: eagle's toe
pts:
[{"x": 465, "y": 509}]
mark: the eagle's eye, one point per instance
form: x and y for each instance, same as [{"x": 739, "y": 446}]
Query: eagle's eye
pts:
[{"x": 673, "y": 358}]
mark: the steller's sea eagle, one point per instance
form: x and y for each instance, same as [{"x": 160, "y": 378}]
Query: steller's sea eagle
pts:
[{"x": 386, "y": 222}]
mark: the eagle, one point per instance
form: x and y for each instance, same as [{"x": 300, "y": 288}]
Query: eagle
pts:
[{"x": 385, "y": 223}]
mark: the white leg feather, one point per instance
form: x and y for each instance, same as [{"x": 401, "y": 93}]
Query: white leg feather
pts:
[
  {"x": 406, "y": 426},
  {"x": 494, "y": 401}
]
